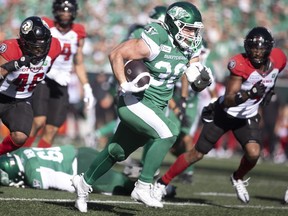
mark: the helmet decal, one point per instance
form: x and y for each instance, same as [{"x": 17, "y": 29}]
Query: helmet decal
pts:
[
  {"x": 178, "y": 13},
  {"x": 27, "y": 26}
]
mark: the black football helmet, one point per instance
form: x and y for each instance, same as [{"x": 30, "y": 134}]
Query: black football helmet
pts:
[
  {"x": 35, "y": 38},
  {"x": 60, "y": 6},
  {"x": 11, "y": 165},
  {"x": 258, "y": 45}
]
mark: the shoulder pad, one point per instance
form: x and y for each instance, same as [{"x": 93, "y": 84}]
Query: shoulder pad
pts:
[
  {"x": 279, "y": 58},
  {"x": 156, "y": 32},
  {"x": 49, "y": 21},
  {"x": 80, "y": 30},
  {"x": 55, "y": 48},
  {"x": 239, "y": 66},
  {"x": 10, "y": 50}
]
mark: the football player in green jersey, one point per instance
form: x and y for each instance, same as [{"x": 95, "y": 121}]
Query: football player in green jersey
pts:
[
  {"x": 33, "y": 167},
  {"x": 168, "y": 50}
]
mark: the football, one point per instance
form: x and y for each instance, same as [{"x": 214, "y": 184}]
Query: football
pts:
[{"x": 133, "y": 68}]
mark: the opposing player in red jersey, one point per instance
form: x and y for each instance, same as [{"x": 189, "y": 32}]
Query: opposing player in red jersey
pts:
[
  {"x": 50, "y": 101},
  {"x": 24, "y": 63},
  {"x": 251, "y": 82}
]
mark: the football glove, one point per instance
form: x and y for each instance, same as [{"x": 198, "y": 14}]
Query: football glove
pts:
[
  {"x": 182, "y": 114},
  {"x": 23, "y": 61},
  {"x": 257, "y": 90},
  {"x": 203, "y": 80},
  {"x": 88, "y": 99},
  {"x": 193, "y": 71},
  {"x": 132, "y": 86},
  {"x": 182, "y": 107},
  {"x": 17, "y": 64}
]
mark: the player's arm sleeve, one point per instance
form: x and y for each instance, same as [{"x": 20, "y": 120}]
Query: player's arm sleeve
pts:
[{"x": 154, "y": 36}]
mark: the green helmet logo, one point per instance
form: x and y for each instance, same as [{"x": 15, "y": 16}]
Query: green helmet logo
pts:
[
  {"x": 184, "y": 22},
  {"x": 178, "y": 13}
]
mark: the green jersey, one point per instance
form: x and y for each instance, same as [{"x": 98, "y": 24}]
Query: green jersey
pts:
[
  {"x": 53, "y": 168},
  {"x": 166, "y": 63},
  {"x": 136, "y": 33},
  {"x": 47, "y": 168}
]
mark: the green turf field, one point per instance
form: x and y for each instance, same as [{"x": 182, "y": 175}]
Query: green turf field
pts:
[{"x": 210, "y": 194}]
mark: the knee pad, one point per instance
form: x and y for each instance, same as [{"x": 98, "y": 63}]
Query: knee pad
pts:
[{"x": 116, "y": 152}]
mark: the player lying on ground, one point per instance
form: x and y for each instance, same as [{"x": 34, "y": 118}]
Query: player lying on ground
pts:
[{"x": 33, "y": 167}]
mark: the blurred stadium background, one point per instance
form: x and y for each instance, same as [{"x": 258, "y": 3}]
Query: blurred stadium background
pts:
[{"x": 107, "y": 21}]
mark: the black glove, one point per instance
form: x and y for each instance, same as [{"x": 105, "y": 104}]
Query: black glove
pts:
[
  {"x": 267, "y": 98},
  {"x": 257, "y": 91},
  {"x": 24, "y": 61},
  {"x": 15, "y": 65},
  {"x": 208, "y": 112},
  {"x": 181, "y": 105},
  {"x": 202, "y": 81}
]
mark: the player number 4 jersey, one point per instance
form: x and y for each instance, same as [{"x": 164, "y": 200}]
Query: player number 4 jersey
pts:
[{"x": 61, "y": 69}]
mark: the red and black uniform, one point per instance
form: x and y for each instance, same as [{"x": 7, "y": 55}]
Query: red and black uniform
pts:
[
  {"x": 242, "y": 119},
  {"x": 17, "y": 87}
]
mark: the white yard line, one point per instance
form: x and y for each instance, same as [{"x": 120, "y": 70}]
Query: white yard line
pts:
[
  {"x": 216, "y": 194},
  {"x": 132, "y": 202}
]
